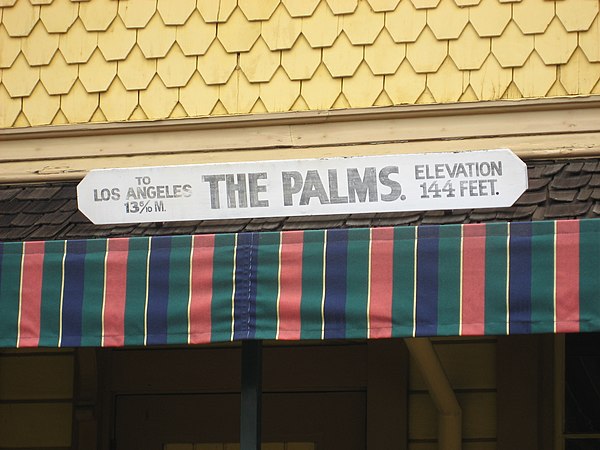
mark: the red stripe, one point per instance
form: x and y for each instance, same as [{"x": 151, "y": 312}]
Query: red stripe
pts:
[
  {"x": 290, "y": 284},
  {"x": 473, "y": 280},
  {"x": 201, "y": 288},
  {"x": 31, "y": 294},
  {"x": 567, "y": 276},
  {"x": 115, "y": 292},
  {"x": 382, "y": 275}
]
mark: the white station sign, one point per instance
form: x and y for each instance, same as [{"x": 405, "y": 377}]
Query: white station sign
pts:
[{"x": 364, "y": 184}]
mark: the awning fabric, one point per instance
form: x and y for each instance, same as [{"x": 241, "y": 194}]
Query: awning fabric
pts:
[{"x": 473, "y": 279}]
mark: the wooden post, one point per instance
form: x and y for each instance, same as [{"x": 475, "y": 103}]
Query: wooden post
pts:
[{"x": 250, "y": 421}]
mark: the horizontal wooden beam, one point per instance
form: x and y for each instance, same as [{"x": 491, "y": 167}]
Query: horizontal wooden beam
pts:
[{"x": 554, "y": 128}]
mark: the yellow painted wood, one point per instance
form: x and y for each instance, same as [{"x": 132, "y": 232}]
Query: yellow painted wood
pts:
[
  {"x": 98, "y": 15},
  {"x": 157, "y": 100},
  {"x": 136, "y": 13},
  {"x": 342, "y": 6},
  {"x": 9, "y": 49},
  {"x": 40, "y": 107},
  {"x": 238, "y": 95},
  {"x": 78, "y": 105},
  {"x": 301, "y": 61},
  {"x": 281, "y": 31},
  {"x": 136, "y": 71},
  {"x": 196, "y": 36},
  {"x": 176, "y": 69},
  {"x": 321, "y": 90},
  {"x": 9, "y": 108},
  {"x": 117, "y": 41},
  {"x": 406, "y": 22},
  {"x": 97, "y": 74},
  {"x": 383, "y": 5},
  {"x": 512, "y": 48},
  {"x": 491, "y": 80},
  {"x": 7, "y": 3},
  {"x": 20, "y": 79},
  {"x": 589, "y": 41},
  {"x": 322, "y": 28},
  {"x": 479, "y": 49},
  {"x": 405, "y": 86},
  {"x": 58, "y": 15},
  {"x": 260, "y": 63},
  {"x": 467, "y": 365},
  {"x": 58, "y": 77},
  {"x": 175, "y": 12},
  {"x": 447, "y": 21},
  {"x": 258, "y": 9},
  {"x": 238, "y": 34},
  {"x": 425, "y": 4},
  {"x": 533, "y": 16},
  {"x": 216, "y": 66},
  {"x": 427, "y": 53},
  {"x": 300, "y": 8},
  {"x": 577, "y": 15},
  {"x": 556, "y": 45},
  {"x": 280, "y": 93},
  {"x": 35, "y": 425},
  {"x": 535, "y": 78},
  {"x": 448, "y": 83},
  {"x": 478, "y": 414},
  {"x": 197, "y": 98},
  {"x": 77, "y": 45},
  {"x": 579, "y": 75},
  {"x": 216, "y": 11},
  {"x": 40, "y": 2},
  {"x": 464, "y": 3},
  {"x": 36, "y": 377},
  {"x": 363, "y": 88},
  {"x": 118, "y": 103},
  {"x": 20, "y": 19},
  {"x": 363, "y": 27},
  {"x": 490, "y": 17},
  {"x": 343, "y": 58},
  {"x": 384, "y": 56},
  {"x": 156, "y": 39}
]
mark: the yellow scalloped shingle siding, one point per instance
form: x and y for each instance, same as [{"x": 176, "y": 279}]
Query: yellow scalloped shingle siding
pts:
[{"x": 65, "y": 61}]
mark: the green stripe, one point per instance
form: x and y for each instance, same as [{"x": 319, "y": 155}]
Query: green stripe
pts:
[
  {"x": 179, "y": 290},
  {"x": 93, "y": 292},
  {"x": 312, "y": 284},
  {"x": 404, "y": 281},
  {"x": 10, "y": 286},
  {"x": 495, "y": 278},
  {"x": 449, "y": 280},
  {"x": 542, "y": 277},
  {"x": 51, "y": 293},
  {"x": 223, "y": 282},
  {"x": 589, "y": 274},
  {"x": 267, "y": 285},
  {"x": 135, "y": 303},
  {"x": 357, "y": 283}
]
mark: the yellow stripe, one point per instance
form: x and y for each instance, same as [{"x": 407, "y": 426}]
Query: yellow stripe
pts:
[
  {"x": 460, "y": 281},
  {"x": 323, "y": 286},
  {"x": 189, "y": 306},
  {"x": 147, "y": 288},
  {"x": 233, "y": 290},
  {"x": 508, "y": 279},
  {"x": 62, "y": 294},
  {"x": 104, "y": 293},
  {"x": 369, "y": 284},
  {"x": 279, "y": 284},
  {"x": 414, "y": 331},
  {"x": 554, "y": 277},
  {"x": 20, "y": 295}
]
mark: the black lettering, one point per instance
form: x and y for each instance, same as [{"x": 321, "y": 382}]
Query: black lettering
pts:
[
  {"x": 292, "y": 184},
  {"x": 360, "y": 188},
  {"x": 395, "y": 187}
]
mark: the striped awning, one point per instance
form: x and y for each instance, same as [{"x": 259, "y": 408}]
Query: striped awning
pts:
[{"x": 474, "y": 279}]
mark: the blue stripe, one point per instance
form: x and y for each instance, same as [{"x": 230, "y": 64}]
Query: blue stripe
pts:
[
  {"x": 427, "y": 280},
  {"x": 73, "y": 293},
  {"x": 158, "y": 290},
  {"x": 336, "y": 260},
  {"x": 519, "y": 294},
  {"x": 244, "y": 302}
]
